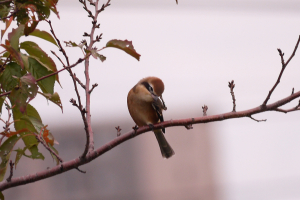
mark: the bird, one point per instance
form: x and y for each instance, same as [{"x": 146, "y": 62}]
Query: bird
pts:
[{"x": 145, "y": 105}]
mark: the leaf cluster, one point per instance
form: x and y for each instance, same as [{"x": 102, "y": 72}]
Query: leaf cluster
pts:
[{"x": 22, "y": 68}]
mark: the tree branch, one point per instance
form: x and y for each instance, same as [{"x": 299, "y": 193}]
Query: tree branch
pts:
[
  {"x": 11, "y": 171},
  {"x": 84, "y": 114},
  {"x": 231, "y": 85},
  {"x": 284, "y": 64},
  {"x": 73, "y": 164},
  {"x": 89, "y": 146},
  {"x": 40, "y": 139}
]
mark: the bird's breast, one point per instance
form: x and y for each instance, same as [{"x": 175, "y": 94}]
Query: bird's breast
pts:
[{"x": 141, "y": 111}]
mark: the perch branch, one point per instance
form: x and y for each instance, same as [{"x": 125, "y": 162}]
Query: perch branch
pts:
[{"x": 73, "y": 164}]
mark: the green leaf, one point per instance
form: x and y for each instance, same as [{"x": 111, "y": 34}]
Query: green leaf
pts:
[
  {"x": 20, "y": 153},
  {"x": 24, "y": 93},
  {"x": 39, "y": 128},
  {"x": 4, "y": 10},
  {"x": 124, "y": 45},
  {"x": 43, "y": 35},
  {"x": 73, "y": 44},
  {"x": 52, "y": 5},
  {"x": 37, "y": 53},
  {"x": 5, "y": 151},
  {"x": 15, "y": 35},
  {"x": 6, "y": 78},
  {"x": 54, "y": 98},
  {"x": 96, "y": 55},
  {"x": 1, "y": 103},
  {"x": 38, "y": 71},
  {"x": 35, "y": 122},
  {"x": 53, "y": 156},
  {"x": 30, "y": 141}
]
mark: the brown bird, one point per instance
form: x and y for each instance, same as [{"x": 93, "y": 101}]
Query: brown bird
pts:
[{"x": 145, "y": 105}]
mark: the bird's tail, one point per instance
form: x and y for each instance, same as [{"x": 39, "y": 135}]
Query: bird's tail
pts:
[{"x": 165, "y": 148}]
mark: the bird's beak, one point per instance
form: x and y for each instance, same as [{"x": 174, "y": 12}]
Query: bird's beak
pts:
[
  {"x": 164, "y": 105},
  {"x": 159, "y": 101}
]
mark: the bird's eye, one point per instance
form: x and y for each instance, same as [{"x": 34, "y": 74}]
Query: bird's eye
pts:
[{"x": 150, "y": 89}]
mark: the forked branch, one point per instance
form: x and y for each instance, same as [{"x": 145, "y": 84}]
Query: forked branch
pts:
[{"x": 284, "y": 64}]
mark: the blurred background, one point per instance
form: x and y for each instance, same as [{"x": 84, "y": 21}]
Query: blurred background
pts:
[{"x": 196, "y": 48}]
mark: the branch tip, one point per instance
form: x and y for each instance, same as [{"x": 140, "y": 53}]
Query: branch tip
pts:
[
  {"x": 204, "y": 108},
  {"x": 77, "y": 168},
  {"x": 262, "y": 120},
  {"x": 189, "y": 126},
  {"x": 231, "y": 85},
  {"x": 11, "y": 164},
  {"x": 118, "y": 130}
]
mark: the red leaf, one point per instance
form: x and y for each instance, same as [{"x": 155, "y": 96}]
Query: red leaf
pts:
[
  {"x": 7, "y": 23},
  {"x": 16, "y": 55},
  {"x": 124, "y": 45}
]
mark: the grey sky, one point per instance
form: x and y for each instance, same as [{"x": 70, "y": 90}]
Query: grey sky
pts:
[{"x": 281, "y": 5}]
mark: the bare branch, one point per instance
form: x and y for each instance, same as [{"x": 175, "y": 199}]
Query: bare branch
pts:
[
  {"x": 257, "y": 120},
  {"x": 189, "y": 126},
  {"x": 58, "y": 58},
  {"x": 118, "y": 131},
  {"x": 231, "y": 85},
  {"x": 85, "y": 113},
  {"x": 93, "y": 86},
  {"x": 204, "y": 108},
  {"x": 104, "y": 6},
  {"x": 284, "y": 64},
  {"x": 79, "y": 82},
  {"x": 11, "y": 172},
  {"x": 73, "y": 164},
  {"x": 89, "y": 147},
  {"x": 289, "y": 110},
  {"x": 41, "y": 140}
]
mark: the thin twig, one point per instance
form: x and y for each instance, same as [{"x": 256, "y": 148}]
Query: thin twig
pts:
[
  {"x": 104, "y": 6},
  {"x": 189, "y": 126},
  {"x": 41, "y": 140},
  {"x": 118, "y": 131},
  {"x": 89, "y": 146},
  {"x": 11, "y": 171},
  {"x": 204, "y": 108},
  {"x": 257, "y": 120},
  {"x": 80, "y": 60},
  {"x": 284, "y": 64},
  {"x": 79, "y": 82},
  {"x": 58, "y": 59},
  {"x": 289, "y": 110},
  {"x": 93, "y": 86},
  {"x": 231, "y": 85},
  {"x": 85, "y": 116}
]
